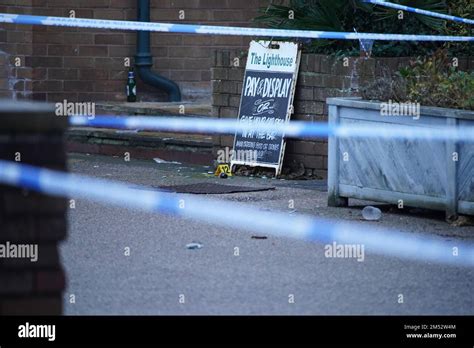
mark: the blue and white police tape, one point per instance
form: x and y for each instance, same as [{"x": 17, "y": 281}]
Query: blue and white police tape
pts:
[
  {"x": 420, "y": 11},
  {"x": 293, "y": 129},
  {"x": 238, "y": 216},
  {"x": 215, "y": 30}
]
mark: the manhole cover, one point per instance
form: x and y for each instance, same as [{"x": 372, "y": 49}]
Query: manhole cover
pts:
[{"x": 212, "y": 189}]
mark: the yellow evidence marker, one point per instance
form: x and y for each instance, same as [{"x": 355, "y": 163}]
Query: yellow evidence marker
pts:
[{"x": 223, "y": 168}]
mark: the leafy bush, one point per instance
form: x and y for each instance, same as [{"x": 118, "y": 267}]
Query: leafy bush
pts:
[
  {"x": 465, "y": 9},
  {"x": 430, "y": 81},
  {"x": 350, "y": 15}
]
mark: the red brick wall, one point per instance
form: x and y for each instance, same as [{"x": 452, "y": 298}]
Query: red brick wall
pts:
[
  {"x": 15, "y": 45},
  {"x": 88, "y": 64},
  {"x": 5, "y": 73}
]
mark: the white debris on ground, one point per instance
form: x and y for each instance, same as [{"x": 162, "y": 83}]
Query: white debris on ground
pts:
[
  {"x": 193, "y": 246},
  {"x": 161, "y": 161},
  {"x": 370, "y": 213}
]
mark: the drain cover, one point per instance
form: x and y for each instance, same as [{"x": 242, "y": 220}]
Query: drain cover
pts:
[{"x": 212, "y": 189}]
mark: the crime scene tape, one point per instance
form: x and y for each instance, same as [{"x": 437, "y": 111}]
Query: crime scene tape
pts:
[
  {"x": 215, "y": 30},
  {"x": 238, "y": 216},
  {"x": 420, "y": 11},
  {"x": 293, "y": 129}
]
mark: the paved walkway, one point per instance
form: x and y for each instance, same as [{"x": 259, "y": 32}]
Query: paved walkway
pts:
[{"x": 267, "y": 272}]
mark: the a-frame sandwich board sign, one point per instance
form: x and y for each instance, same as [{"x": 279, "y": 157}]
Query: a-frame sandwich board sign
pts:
[{"x": 267, "y": 97}]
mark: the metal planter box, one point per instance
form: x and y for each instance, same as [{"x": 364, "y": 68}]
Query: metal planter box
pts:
[{"x": 419, "y": 173}]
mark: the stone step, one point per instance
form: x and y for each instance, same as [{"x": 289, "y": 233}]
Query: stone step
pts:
[
  {"x": 154, "y": 109},
  {"x": 186, "y": 148}
]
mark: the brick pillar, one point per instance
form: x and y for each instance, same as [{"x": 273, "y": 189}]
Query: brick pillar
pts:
[{"x": 31, "y": 133}]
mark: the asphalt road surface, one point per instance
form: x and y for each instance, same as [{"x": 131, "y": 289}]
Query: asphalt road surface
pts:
[{"x": 269, "y": 276}]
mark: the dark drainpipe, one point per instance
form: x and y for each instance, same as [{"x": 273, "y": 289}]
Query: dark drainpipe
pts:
[{"x": 144, "y": 60}]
